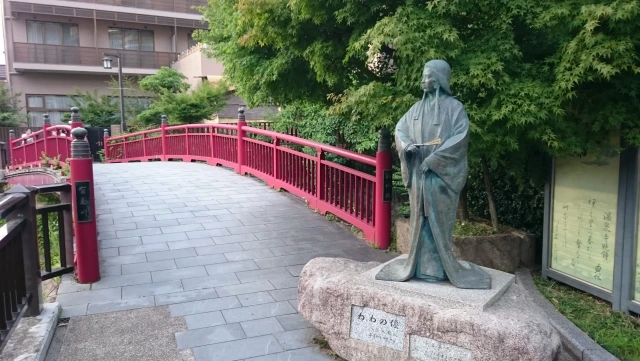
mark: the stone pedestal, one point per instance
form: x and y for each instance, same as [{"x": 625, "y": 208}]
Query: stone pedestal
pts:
[{"x": 364, "y": 319}]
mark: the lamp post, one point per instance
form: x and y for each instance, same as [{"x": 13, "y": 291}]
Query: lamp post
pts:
[{"x": 106, "y": 63}]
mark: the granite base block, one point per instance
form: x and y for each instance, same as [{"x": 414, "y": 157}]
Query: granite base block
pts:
[
  {"x": 364, "y": 319},
  {"x": 31, "y": 339}
]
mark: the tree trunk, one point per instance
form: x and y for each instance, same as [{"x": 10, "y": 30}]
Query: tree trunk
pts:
[
  {"x": 487, "y": 186},
  {"x": 462, "y": 213}
]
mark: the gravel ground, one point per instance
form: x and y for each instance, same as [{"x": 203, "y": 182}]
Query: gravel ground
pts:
[{"x": 142, "y": 335}]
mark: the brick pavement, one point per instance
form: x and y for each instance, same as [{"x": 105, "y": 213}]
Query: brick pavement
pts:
[{"x": 221, "y": 250}]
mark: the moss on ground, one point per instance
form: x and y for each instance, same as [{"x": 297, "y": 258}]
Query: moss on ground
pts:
[{"x": 473, "y": 228}]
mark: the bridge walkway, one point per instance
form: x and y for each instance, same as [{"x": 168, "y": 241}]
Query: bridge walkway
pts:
[{"x": 198, "y": 262}]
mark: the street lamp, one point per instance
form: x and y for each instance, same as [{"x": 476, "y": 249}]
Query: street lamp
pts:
[{"x": 106, "y": 63}]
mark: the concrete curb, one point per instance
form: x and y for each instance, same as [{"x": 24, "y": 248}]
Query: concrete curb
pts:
[
  {"x": 32, "y": 337},
  {"x": 574, "y": 341}
]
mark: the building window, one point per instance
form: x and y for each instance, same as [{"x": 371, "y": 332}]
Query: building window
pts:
[
  {"x": 40, "y": 32},
  {"x": 131, "y": 39},
  {"x": 54, "y": 105},
  {"x": 57, "y": 105}
]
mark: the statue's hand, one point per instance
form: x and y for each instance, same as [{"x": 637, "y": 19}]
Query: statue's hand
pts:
[
  {"x": 411, "y": 148},
  {"x": 424, "y": 166}
]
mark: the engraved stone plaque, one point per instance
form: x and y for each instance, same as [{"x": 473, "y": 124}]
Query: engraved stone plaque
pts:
[
  {"x": 378, "y": 327},
  {"x": 427, "y": 349}
]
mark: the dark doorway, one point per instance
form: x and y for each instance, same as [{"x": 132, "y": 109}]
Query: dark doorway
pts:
[{"x": 95, "y": 137}]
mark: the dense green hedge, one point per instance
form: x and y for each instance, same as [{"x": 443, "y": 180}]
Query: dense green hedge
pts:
[{"x": 519, "y": 204}]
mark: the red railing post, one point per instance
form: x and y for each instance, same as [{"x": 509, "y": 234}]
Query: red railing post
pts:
[
  {"x": 144, "y": 146},
  {"x": 12, "y": 137},
  {"x": 242, "y": 150},
  {"x": 24, "y": 149},
  {"x": 276, "y": 143},
  {"x": 45, "y": 136},
  {"x": 212, "y": 141},
  {"x": 84, "y": 212},
  {"x": 163, "y": 135},
  {"x": 382, "y": 201},
  {"x": 319, "y": 173},
  {"x": 105, "y": 139},
  {"x": 186, "y": 141}
]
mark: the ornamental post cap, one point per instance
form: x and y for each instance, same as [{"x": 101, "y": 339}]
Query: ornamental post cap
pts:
[{"x": 79, "y": 133}]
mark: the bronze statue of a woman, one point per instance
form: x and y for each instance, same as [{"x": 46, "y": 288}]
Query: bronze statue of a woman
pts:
[{"x": 432, "y": 140}]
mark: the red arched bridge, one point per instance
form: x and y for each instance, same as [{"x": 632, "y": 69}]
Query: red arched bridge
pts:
[
  {"x": 159, "y": 233},
  {"x": 354, "y": 187}
]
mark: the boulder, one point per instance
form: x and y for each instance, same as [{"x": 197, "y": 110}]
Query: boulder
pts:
[{"x": 364, "y": 319}]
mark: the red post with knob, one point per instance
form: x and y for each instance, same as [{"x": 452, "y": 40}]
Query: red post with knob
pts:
[
  {"x": 45, "y": 136},
  {"x": 384, "y": 188},
  {"x": 164, "y": 123},
  {"x": 105, "y": 140},
  {"x": 83, "y": 204},
  {"x": 242, "y": 149}
]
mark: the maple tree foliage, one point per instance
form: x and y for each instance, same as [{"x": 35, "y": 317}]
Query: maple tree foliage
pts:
[{"x": 547, "y": 76}]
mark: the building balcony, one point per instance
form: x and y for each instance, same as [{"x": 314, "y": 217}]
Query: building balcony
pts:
[
  {"x": 179, "y": 6},
  {"x": 60, "y": 58},
  {"x": 161, "y": 12},
  {"x": 196, "y": 66}
]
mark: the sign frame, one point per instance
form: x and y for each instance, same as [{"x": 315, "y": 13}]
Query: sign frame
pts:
[
  {"x": 630, "y": 251},
  {"x": 76, "y": 187},
  {"x": 387, "y": 193},
  {"x": 615, "y": 296}
]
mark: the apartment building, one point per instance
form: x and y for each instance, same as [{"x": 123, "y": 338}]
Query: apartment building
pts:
[{"x": 54, "y": 47}]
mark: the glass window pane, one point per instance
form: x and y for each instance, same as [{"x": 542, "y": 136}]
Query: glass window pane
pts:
[
  {"x": 35, "y": 102},
  {"x": 52, "y": 33},
  {"x": 55, "y": 117},
  {"x": 146, "y": 40},
  {"x": 70, "y": 35},
  {"x": 57, "y": 102},
  {"x": 34, "y": 32},
  {"x": 115, "y": 38},
  {"x": 131, "y": 39},
  {"x": 36, "y": 119}
]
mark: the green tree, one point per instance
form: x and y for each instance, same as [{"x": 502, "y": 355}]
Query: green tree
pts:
[
  {"x": 186, "y": 107},
  {"x": 551, "y": 76},
  {"x": 101, "y": 110},
  {"x": 165, "y": 80},
  {"x": 10, "y": 115},
  {"x": 96, "y": 110}
]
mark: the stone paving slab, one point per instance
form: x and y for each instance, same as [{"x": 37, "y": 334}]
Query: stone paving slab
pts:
[{"x": 215, "y": 252}]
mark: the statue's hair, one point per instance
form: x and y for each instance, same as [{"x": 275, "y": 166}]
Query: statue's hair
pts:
[{"x": 442, "y": 73}]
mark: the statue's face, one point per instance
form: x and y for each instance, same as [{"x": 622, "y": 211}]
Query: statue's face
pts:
[{"x": 429, "y": 83}]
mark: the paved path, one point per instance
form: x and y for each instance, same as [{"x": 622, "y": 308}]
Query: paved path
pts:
[{"x": 221, "y": 250}]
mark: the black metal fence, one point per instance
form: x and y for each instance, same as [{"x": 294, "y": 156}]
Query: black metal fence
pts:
[{"x": 20, "y": 259}]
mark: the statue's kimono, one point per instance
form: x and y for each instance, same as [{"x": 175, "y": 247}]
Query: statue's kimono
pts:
[{"x": 434, "y": 194}]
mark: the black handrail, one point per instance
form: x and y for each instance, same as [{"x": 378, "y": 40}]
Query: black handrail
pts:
[
  {"x": 20, "y": 274},
  {"x": 14, "y": 297},
  {"x": 65, "y": 242}
]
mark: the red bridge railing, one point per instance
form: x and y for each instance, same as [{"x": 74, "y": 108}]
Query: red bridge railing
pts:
[
  {"x": 52, "y": 140},
  {"x": 359, "y": 193}
]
